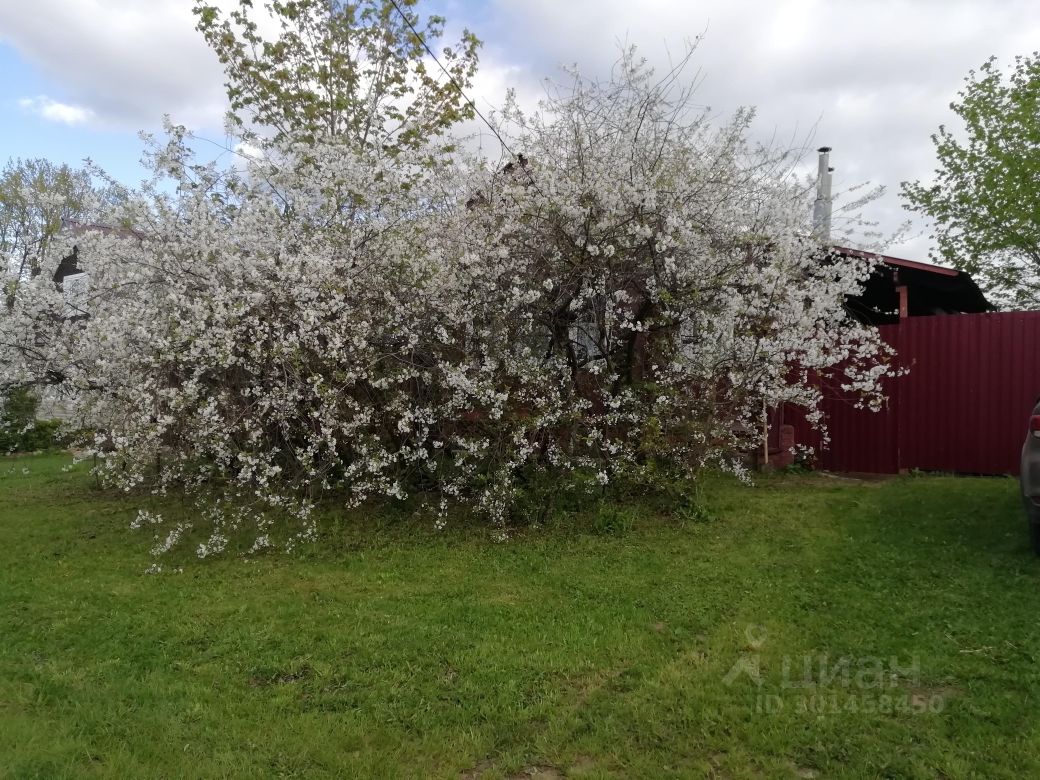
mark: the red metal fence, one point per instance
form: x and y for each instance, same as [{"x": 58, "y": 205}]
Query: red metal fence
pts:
[{"x": 963, "y": 407}]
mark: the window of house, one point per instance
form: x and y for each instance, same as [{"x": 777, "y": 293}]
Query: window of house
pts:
[{"x": 75, "y": 289}]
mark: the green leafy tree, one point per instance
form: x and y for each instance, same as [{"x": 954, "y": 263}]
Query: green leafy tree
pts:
[
  {"x": 985, "y": 199},
  {"x": 36, "y": 198},
  {"x": 357, "y": 70}
]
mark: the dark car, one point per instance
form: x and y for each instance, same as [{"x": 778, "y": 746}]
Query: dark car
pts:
[{"x": 1029, "y": 478}]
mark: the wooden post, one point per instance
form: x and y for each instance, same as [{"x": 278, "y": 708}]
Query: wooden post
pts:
[
  {"x": 765, "y": 434},
  {"x": 904, "y": 302}
]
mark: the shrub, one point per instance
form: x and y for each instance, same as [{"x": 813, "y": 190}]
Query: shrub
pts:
[
  {"x": 343, "y": 322},
  {"x": 20, "y": 431},
  {"x": 612, "y": 519}
]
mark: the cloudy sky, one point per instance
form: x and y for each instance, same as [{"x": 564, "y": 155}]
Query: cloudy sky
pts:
[{"x": 871, "y": 78}]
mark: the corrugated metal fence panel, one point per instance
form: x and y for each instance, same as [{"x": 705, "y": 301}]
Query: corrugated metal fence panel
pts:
[
  {"x": 972, "y": 383},
  {"x": 963, "y": 406},
  {"x": 860, "y": 440}
]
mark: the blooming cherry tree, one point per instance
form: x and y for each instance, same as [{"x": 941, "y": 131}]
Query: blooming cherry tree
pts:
[{"x": 336, "y": 322}]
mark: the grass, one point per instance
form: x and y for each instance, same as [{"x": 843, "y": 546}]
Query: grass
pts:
[{"x": 397, "y": 652}]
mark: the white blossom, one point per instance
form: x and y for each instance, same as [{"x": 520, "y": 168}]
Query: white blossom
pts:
[{"x": 336, "y": 323}]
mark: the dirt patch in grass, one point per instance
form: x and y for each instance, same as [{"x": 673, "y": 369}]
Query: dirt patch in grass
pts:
[
  {"x": 478, "y": 770},
  {"x": 531, "y": 772},
  {"x": 537, "y": 772}
]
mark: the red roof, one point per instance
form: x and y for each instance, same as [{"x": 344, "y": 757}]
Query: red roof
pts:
[{"x": 898, "y": 261}]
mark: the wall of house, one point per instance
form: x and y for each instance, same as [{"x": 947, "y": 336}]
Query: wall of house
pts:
[{"x": 54, "y": 409}]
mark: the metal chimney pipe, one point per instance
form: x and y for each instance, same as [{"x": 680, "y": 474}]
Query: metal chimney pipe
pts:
[{"x": 822, "y": 206}]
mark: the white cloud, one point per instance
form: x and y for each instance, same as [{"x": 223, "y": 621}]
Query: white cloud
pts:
[
  {"x": 56, "y": 111},
  {"x": 873, "y": 79},
  {"x": 131, "y": 61}
]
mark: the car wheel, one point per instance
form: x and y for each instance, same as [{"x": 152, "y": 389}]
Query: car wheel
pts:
[{"x": 1033, "y": 518}]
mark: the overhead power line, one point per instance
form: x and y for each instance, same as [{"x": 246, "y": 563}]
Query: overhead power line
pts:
[{"x": 451, "y": 78}]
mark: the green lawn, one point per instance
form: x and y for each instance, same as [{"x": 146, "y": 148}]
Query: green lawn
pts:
[{"x": 399, "y": 652}]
